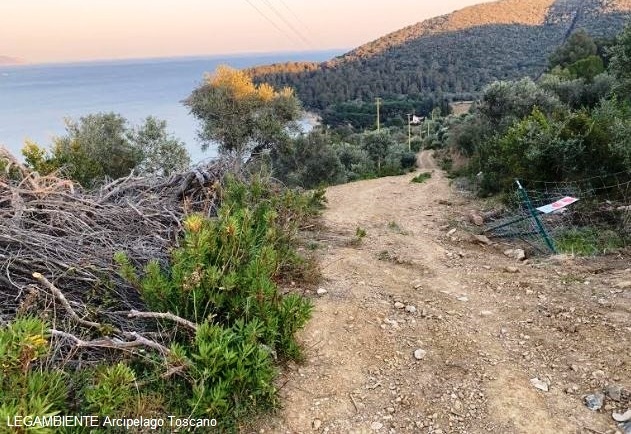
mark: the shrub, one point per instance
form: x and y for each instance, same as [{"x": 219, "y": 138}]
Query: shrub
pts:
[
  {"x": 419, "y": 179},
  {"x": 223, "y": 277},
  {"x": 310, "y": 161},
  {"x": 101, "y": 145},
  {"x": 356, "y": 161},
  {"x": 26, "y": 389},
  {"x": 113, "y": 392}
]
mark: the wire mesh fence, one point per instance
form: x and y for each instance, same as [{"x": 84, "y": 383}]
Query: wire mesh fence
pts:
[{"x": 588, "y": 216}]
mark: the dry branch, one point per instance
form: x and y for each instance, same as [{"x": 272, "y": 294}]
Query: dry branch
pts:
[
  {"x": 64, "y": 301},
  {"x": 163, "y": 315},
  {"x": 114, "y": 343},
  {"x": 57, "y": 229}
]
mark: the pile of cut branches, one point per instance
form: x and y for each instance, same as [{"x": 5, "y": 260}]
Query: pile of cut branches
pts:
[{"x": 57, "y": 239}]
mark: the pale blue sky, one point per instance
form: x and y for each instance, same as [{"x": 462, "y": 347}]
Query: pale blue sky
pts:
[{"x": 69, "y": 30}]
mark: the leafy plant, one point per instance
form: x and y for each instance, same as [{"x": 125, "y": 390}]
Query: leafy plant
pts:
[
  {"x": 588, "y": 241},
  {"x": 360, "y": 234},
  {"x": 421, "y": 177},
  {"x": 103, "y": 145},
  {"x": 223, "y": 278},
  {"x": 113, "y": 392},
  {"x": 26, "y": 389}
]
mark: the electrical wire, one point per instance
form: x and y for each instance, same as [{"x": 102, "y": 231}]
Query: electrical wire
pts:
[
  {"x": 260, "y": 12},
  {"x": 287, "y": 22},
  {"x": 291, "y": 11}
]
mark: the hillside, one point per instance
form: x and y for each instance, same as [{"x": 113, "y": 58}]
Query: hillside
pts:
[
  {"x": 7, "y": 61},
  {"x": 454, "y": 55}
]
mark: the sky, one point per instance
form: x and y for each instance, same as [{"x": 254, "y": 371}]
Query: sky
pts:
[{"x": 76, "y": 30}]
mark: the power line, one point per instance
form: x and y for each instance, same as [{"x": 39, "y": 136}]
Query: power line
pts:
[
  {"x": 290, "y": 10},
  {"x": 260, "y": 12},
  {"x": 287, "y": 22}
]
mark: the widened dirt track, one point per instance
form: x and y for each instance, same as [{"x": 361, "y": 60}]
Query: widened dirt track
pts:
[{"x": 425, "y": 330}]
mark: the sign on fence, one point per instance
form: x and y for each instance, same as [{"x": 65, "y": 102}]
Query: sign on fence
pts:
[{"x": 559, "y": 204}]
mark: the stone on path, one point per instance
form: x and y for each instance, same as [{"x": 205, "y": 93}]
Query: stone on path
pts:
[
  {"x": 518, "y": 254},
  {"x": 540, "y": 384},
  {"x": 594, "y": 401},
  {"x": 420, "y": 354}
]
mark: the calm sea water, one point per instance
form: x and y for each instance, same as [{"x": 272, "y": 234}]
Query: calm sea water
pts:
[{"x": 35, "y": 99}]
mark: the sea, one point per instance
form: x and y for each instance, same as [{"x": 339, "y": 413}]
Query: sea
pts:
[{"x": 35, "y": 99}]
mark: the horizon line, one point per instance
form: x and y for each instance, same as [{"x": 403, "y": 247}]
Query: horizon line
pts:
[{"x": 240, "y": 54}]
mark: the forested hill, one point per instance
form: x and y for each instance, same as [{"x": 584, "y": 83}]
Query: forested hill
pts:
[
  {"x": 453, "y": 55},
  {"x": 6, "y": 60}
]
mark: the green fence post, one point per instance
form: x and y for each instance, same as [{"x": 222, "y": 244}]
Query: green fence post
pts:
[{"x": 535, "y": 216}]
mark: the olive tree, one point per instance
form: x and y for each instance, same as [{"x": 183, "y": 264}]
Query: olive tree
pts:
[
  {"x": 377, "y": 144},
  {"x": 240, "y": 116},
  {"x": 506, "y": 102},
  {"x": 620, "y": 65},
  {"x": 580, "y": 45},
  {"x": 103, "y": 145},
  {"x": 160, "y": 152}
]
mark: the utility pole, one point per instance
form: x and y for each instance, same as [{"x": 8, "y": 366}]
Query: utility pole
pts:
[
  {"x": 409, "y": 132},
  {"x": 378, "y": 119}
]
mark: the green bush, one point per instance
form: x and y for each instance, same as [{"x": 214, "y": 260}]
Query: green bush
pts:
[
  {"x": 223, "y": 277},
  {"x": 356, "y": 161},
  {"x": 309, "y": 161},
  {"x": 113, "y": 392},
  {"x": 419, "y": 179},
  {"x": 26, "y": 388},
  {"x": 102, "y": 145}
]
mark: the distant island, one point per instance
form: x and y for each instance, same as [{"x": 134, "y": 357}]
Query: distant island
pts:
[{"x": 7, "y": 61}]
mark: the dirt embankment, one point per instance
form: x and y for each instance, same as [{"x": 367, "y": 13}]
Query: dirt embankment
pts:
[{"x": 422, "y": 330}]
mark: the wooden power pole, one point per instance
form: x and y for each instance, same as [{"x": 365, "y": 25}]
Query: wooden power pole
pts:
[
  {"x": 378, "y": 117},
  {"x": 409, "y": 132}
]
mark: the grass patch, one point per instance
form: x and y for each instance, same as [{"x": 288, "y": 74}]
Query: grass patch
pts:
[
  {"x": 394, "y": 226},
  {"x": 588, "y": 241},
  {"x": 360, "y": 234},
  {"x": 384, "y": 255},
  {"x": 421, "y": 178}
]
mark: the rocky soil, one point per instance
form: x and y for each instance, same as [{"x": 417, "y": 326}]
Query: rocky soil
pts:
[{"x": 420, "y": 327}]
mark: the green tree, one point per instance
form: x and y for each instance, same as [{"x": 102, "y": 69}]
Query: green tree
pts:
[
  {"x": 96, "y": 146},
  {"x": 309, "y": 162},
  {"x": 530, "y": 149},
  {"x": 620, "y": 65},
  {"x": 101, "y": 145},
  {"x": 356, "y": 161},
  {"x": 587, "y": 68},
  {"x": 377, "y": 145},
  {"x": 578, "y": 46},
  {"x": 577, "y": 93},
  {"x": 503, "y": 103},
  {"x": 240, "y": 116},
  {"x": 160, "y": 151}
]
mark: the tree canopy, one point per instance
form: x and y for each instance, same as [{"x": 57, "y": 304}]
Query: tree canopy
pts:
[
  {"x": 620, "y": 65},
  {"x": 103, "y": 145},
  {"x": 242, "y": 117},
  {"x": 451, "y": 57},
  {"x": 573, "y": 124},
  {"x": 579, "y": 45}
]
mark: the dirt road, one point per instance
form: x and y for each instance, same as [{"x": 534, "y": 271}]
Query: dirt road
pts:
[{"x": 423, "y": 330}]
